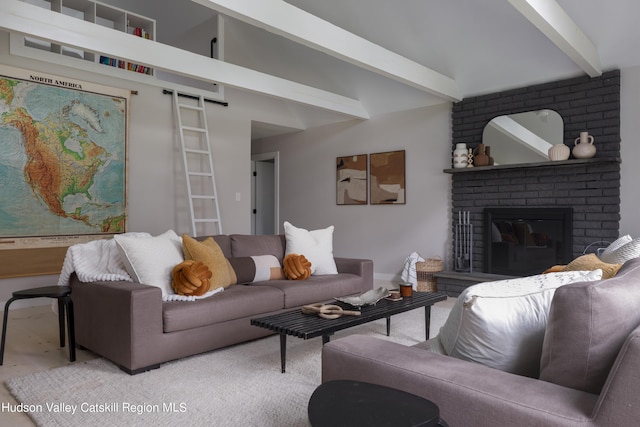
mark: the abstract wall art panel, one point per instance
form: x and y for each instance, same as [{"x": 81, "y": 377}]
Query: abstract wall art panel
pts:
[
  {"x": 351, "y": 180},
  {"x": 387, "y": 178}
]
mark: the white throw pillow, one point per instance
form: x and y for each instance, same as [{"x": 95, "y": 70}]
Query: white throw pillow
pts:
[
  {"x": 501, "y": 324},
  {"x": 617, "y": 244},
  {"x": 149, "y": 260},
  {"x": 315, "y": 245},
  {"x": 621, "y": 251}
]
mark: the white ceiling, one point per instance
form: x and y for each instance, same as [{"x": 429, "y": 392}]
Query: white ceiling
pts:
[{"x": 484, "y": 46}]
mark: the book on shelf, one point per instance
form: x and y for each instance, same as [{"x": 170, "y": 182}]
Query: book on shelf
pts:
[
  {"x": 112, "y": 62},
  {"x": 119, "y": 63},
  {"x": 138, "y": 68},
  {"x": 141, "y": 32}
]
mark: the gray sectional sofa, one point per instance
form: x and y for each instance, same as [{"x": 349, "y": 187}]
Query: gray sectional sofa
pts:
[
  {"x": 589, "y": 365},
  {"x": 129, "y": 324}
]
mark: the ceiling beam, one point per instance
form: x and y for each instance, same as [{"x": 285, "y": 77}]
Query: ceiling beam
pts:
[
  {"x": 549, "y": 17},
  {"x": 23, "y": 18},
  {"x": 281, "y": 18}
]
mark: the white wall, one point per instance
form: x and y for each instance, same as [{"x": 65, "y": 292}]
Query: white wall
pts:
[
  {"x": 385, "y": 233},
  {"x": 630, "y": 151}
]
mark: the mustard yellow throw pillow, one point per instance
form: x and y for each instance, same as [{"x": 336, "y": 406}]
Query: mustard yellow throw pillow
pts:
[
  {"x": 209, "y": 253},
  {"x": 592, "y": 262}
]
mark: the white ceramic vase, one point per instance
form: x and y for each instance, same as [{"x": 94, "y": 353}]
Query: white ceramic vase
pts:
[
  {"x": 559, "y": 152},
  {"x": 460, "y": 156},
  {"x": 584, "y": 149}
]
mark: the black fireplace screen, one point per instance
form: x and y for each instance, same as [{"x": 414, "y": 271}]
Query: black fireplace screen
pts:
[{"x": 526, "y": 241}]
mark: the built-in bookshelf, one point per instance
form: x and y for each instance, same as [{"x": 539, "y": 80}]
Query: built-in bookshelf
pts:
[{"x": 101, "y": 14}]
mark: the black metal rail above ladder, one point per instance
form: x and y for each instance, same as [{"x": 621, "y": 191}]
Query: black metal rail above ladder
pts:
[{"x": 198, "y": 164}]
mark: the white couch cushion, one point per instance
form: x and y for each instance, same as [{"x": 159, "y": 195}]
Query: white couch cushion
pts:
[
  {"x": 315, "y": 245},
  {"x": 501, "y": 324},
  {"x": 149, "y": 260}
]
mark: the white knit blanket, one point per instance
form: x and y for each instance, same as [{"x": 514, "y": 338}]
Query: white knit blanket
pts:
[
  {"x": 409, "y": 274},
  {"x": 100, "y": 260},
  {"x": 94, "y": 261}
]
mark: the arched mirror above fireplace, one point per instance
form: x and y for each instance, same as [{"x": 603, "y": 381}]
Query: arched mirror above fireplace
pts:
[{"x": 523, "y": 137}]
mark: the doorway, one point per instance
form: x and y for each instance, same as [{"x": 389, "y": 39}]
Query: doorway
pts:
[{"x": 265, "y": 193}]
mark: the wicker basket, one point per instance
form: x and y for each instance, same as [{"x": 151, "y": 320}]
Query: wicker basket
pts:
[{"x": 427, "y": 282}]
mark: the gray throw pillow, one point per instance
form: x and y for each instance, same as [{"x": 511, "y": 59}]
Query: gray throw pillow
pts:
[{"x": 587, "y": 325}]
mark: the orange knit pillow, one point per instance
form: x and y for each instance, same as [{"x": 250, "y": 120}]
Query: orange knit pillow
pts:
[
  {"x": 296, "y": 267},
  {"x": 190, "y": 278}
]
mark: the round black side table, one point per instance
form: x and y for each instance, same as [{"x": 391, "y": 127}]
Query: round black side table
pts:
[
  {"x": 65, "y": 305},
  {"x": 359, "y": 404}
]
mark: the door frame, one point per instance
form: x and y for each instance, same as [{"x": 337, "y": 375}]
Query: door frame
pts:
[{"x": 275, "y": 156}]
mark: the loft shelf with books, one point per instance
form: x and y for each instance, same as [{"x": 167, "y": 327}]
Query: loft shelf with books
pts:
[{"x": 100, "y": 14}]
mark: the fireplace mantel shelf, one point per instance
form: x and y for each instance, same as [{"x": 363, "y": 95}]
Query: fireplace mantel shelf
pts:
[{"x": 563, "y": 163}]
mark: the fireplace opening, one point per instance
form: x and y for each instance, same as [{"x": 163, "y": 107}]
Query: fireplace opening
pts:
[{"x": 527, "y": 241}]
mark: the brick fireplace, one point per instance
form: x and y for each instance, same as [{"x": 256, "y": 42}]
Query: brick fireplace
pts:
[{"x": 590, "y": 187}]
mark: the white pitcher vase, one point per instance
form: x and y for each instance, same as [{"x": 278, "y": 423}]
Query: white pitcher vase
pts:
[{"x": 585, "y": 148}]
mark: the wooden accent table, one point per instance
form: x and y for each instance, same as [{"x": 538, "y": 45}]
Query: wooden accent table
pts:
[{"x": 306, "y": 326}]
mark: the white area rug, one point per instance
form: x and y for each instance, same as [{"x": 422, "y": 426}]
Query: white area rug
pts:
[{"x": 236, "y": 386}]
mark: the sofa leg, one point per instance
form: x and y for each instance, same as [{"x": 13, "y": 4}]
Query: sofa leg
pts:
[{"x": 139, "y": 370}]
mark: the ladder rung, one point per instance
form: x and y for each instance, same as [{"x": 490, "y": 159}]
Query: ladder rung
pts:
[
  {"x": 205, "y": 220},
  {"x": 202, "y": 197},
  {"x": 191, "y": 107},
  {"x": 200, "y": 173},
  {"x": 192, "y": 150},
  {"x": 193, "y": 129}
]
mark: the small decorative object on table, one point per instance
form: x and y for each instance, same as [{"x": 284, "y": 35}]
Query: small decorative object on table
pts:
[
  {"x": 394, "y": 295},
  {"x": 406, "y": 289},
  {"x": 368, "y": 298},
  {"x": 328, "y": 311}
]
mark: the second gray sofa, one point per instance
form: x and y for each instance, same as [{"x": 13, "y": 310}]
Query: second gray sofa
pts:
[{"x": 590, "y": 365}]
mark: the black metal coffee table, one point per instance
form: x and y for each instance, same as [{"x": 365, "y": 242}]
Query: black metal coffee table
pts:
[{"x": 306, "y": 326}]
